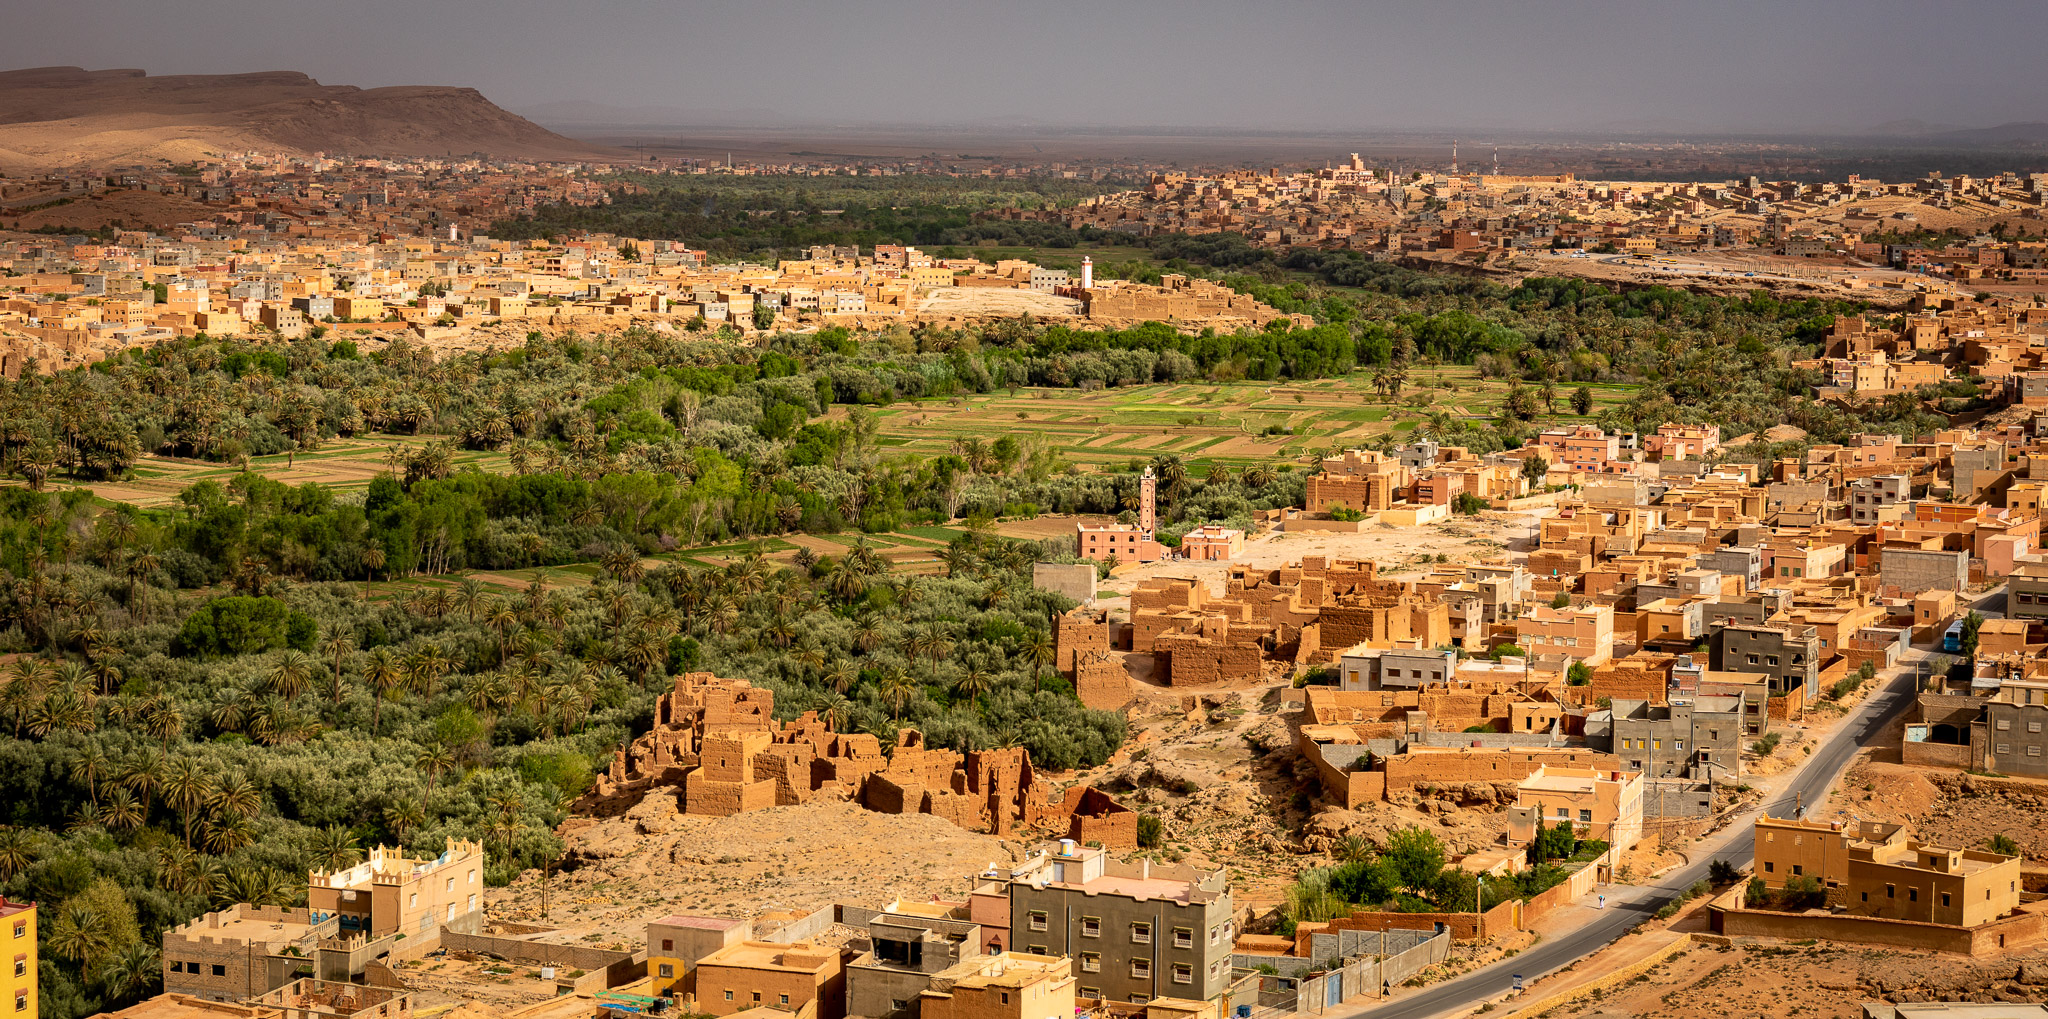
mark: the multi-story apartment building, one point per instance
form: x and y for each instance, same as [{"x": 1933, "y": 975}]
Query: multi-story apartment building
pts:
[
  {"x": 913, "y": 944},
  {"x": 1136, "y": 931},
  {"x": 391, "y": 893},
  {"x": 1789, "y": 656},
  {"x": 1585, "y": 633},
  {"x": 1872, "y": 499},
  {"x": 1700, "y": 738},
  {"x": 2027, "y": 591},
  {"x": 1605, "y": 805},
  {"x": 18, "y": 980}
]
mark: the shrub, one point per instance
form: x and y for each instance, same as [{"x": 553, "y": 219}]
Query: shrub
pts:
[
  {"x": 242, "y": 625},
  {"x": 1150, "y": 830},
  {"x": 1722, "y": 873},
  {"x": 1765, "y": 746}
]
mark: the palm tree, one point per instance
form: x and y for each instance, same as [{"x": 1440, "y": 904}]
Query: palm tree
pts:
[
  {"x": 897, "y": 689},
  {"x": 933, "y": 643},
  {"x": 134, "y": 968},
  {"x": 1040, "y": 651},
  {"x": 17, "y": 851},
  {"x": 841, "y": 677},
  {"x": 337, "y": 647},
  {"x": 426, "y": 666},
  {"x": 122, "y": 812},
  {"x": 88, "y": 766},
  {"x": 235, "y": 797},
  {"x": 165, "y": 721},
  {"x": 433, "y": 759},
  {"x": 79, "y": 934},
  {"x": 335, "y": 848},
  {"x": 404, "y": 816},
  {"x": 974, "y": 681},
  {"x": 470, "y": 596},
  {"x": 386, "y": 674},
  {"x": 290, "y": 676},
  {"x": 185, "y": 789},
  {"x": 141, "y": 565}
]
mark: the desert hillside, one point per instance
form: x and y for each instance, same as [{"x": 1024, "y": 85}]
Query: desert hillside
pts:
[{"x": 54, "y": 117}]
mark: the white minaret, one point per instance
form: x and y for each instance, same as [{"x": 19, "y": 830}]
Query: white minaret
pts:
[
  {"x": 1087, "y": 272},
  {"x": 451, "y": 231}
]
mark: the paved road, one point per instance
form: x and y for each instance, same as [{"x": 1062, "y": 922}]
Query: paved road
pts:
[{"x": 1628, "y": 906}]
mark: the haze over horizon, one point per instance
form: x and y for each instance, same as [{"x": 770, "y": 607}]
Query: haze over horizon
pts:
[{"x": 1593, "y": 66}]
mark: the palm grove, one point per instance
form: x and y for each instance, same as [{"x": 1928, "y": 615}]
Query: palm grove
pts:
[{"x": 202, "y": 701}]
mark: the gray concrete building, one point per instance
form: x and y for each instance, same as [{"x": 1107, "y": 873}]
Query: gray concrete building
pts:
[
  {"x": 1694, "y": 739},
  {"x": 1788, "y": 655},
  {"x": 1136, "y": 931},
  {"x": 905, "y": 952}
]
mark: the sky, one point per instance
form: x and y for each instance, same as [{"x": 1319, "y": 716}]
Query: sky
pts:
[{"x": 1703, "y": 66}]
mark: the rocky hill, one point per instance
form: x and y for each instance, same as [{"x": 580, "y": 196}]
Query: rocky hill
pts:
[{"x": 52, "y": 117}]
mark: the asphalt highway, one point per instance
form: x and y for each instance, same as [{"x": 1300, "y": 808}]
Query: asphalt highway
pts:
[{"x": 1630, "y": 905}]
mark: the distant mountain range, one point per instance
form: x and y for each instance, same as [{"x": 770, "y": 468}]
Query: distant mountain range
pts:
[
  {"x": 578, "y": 114},
  {"x": 68, "y": 116}
]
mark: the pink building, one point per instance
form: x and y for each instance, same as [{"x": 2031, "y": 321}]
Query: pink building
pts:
[
  {"x": 1212, "y": 543},
  {"x": 1586, "y": 634},
  {"x": 1582, "y": 447}
]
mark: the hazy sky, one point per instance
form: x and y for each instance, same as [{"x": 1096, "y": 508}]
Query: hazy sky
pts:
[{"x": 1778, "y": 65}]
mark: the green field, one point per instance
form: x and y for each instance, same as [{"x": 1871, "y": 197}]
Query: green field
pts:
[{"x": 1206, "y": 423}]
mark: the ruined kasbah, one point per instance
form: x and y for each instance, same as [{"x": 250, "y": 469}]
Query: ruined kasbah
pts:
[{"x": 717, "y": 750}]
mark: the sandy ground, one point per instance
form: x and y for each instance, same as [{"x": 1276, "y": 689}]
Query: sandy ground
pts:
[
  {"x": 1398, "y": 550},
  {"x": 621, "y": 872},
  {"x": 982, "y": 301}
]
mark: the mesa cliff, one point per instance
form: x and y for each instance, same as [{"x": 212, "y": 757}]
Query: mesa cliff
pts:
[{"x": 63, "y": 117}]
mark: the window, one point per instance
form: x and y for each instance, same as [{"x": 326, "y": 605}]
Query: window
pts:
[
  {"x": 1091, "y": 926},
  {"x": 784, "y": 1001},
  {"x": 415, "y": 903},
  {"x": 451, "y": 884},
  {"x": 728, "y": 995},
  {"x": 1798, "y": 870},
  {"x": 1770, "y": 867},
  {"x": 176, "y": 967},
  {"x": 1891, "y": 892},
  {"x": 1752, "y": 659},
  {"x": 1585, "y": 816},
  {"x": 1037, "y": 919},
  {"x": 667, "y": 970},
  {"x": 2034, "y": 750},
  {"x": 2004, "y": 724},
  {"x": 219, "y": 970},
  {"x": 1912, "y": 895},
  {"x": 1091, "y": 962},
  {"x": 1944, "y": 898},
  {"x": 1141, "y": 969},
  {"x": 2005, "y": 748},
  {"x": 757, "y": 997},
  {"x": 1183, "y": 973},
  {"x": 1141, "y": 934},
  {"x": 1183, "y": 937},
  {"x": 668, "y": 944},
  {"x": 1091, "y": 992}
]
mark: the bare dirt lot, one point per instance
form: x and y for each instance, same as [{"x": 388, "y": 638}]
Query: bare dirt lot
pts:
[
  {"x": 622, "y": 871},
  {"x": 1808, "y": 981}
]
